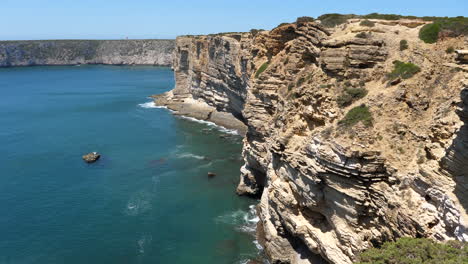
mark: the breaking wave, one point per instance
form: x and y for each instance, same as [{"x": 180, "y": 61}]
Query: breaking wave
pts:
[
  {"x": 245, "y": 221},
  {"x": 213, "y": 125},
  {"x": 151, "y": 105},
  {"x": 190, "y": 156}
]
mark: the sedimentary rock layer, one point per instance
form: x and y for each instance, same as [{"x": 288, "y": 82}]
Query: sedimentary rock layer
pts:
[
  {"x": 72, "y": 52},
  {"x": 329, "y": 188}
]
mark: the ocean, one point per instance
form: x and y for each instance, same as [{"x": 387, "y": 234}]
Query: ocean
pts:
[{"x": 147, "y": 200}]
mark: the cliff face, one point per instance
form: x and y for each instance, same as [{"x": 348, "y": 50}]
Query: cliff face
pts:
[
  {"x": 71, "y": 52},
  {"x": 326, "y": 187},
  {"x": 212, "y": 77}
]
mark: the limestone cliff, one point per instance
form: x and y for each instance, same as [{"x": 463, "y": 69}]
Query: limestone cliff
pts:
[
  {"x": 72, "y": 52},
  {"x": 326, "y": 187}
]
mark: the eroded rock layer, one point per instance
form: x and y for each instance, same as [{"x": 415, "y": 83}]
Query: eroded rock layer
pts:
[
  {"x": 72, "y": 52},
  {"x": 326, "y": 187}
]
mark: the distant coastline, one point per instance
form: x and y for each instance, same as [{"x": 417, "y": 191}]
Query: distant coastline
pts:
[{"x": 156, "y": 52}]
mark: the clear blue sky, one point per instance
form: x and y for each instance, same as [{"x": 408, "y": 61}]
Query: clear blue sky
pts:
[{"x": 111, "y": 19}]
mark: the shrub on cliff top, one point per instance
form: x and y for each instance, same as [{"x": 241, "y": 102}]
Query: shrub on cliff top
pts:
[
  {"x": 403, "y": 44},
  {"x": 450, "y": 49},
  {"x": 367, "y": 23},
  {"x": 357, "y": 114},
  {"x": 304, "y": 19},
  {"x": 416, "y": 251},
  {"x": 350, "y": 95},
  {"x": 429, "y": 33},
  {"x": 363, "y": 35},
  {"x": 455, "y": 26},
  {"x": 254, "y": 31},
  {"x": 261, "y": 69},
  {"x": 333, "y": 20},
  {"x": 403, "y": 70}
]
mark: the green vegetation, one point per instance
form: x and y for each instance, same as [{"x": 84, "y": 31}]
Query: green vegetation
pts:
[
  {"x": 453, "y": 26},
  {"x": 350, "y": 95},
  {"x": 403, "y": 44},
  {"x": 304, "y": 19},
  {"x": 403, "y": 70},
  {"x": 429, "y": 33},
  {"x": 300, "y": 81},
  {"x": 395, "y": 17},
  {"x": 357, "y": 114},
  {"x": 450, "y": 49},
  {"x": 333, "y": 20},
  {"x": 363, "y": 35},
  {"x": 283, "y": 24},
  {"x": 254, "y": 31},
  {"x": 367, "y": 23},
  {"x": 416, "y": 251},
  {"x": 262, "y": 69}
]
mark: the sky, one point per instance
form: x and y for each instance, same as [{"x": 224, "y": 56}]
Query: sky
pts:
[{"x": 136, "y": 19}]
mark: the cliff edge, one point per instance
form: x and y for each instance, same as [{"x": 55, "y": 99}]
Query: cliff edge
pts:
[{"x": 356, "y": 134}]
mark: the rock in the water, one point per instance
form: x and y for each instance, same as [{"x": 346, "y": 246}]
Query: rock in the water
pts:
[
  {"x": 91, "y": 157},
  {"x": 211, "y": 174}
]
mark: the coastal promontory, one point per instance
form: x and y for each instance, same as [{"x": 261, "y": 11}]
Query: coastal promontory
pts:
[{"x": 74, "y": 52}]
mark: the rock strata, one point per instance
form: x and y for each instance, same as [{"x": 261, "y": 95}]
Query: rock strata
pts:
[{"x": 330, "y": 190}]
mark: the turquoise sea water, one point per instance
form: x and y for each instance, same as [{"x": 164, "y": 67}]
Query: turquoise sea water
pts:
[{"x": 147, "y": 200}]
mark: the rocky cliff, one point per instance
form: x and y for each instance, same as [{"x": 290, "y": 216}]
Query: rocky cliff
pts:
[
  {"x": 343, "y": 156},
  {"x": 71, "y": 52}
]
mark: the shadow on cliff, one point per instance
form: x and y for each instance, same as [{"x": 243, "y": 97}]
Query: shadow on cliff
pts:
[{"x": 456, "y": 160}]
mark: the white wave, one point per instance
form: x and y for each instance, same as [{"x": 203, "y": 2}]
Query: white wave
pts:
[
  {"x": 138, "y": 204},
  {"x": 143, "y": 242},
  {"x": 257, "y": 245},
  {"x": 190, "y": 155},
  {"x": 211, "y": 124},
  {"x": 205, "y": 165},
  {"x": 151, "y": 105},
  {"x": 242, "y": 220}
]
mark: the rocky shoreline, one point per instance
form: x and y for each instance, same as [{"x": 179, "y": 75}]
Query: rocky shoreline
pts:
[
  {"x": 201, "y": 111},
  {"x": 329, "y": 186}
]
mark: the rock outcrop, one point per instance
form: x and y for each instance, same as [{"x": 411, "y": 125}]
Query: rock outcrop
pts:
[
  {"x": 211, "y": 78},
  {"x": 91, "y": 157},
  {"x": 328, "y": 188},
  {"x": 72, "y": 52}
]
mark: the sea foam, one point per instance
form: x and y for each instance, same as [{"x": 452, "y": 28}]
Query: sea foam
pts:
[
  {"x": 211, "y": 124},
  {"x": 245, "y": 221},
  {"x": 151, "y": 105},
  {"x": 190, "y": 155}
]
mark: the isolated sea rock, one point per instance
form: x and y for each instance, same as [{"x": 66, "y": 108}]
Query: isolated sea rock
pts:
[{"x": 91, "y": 157}]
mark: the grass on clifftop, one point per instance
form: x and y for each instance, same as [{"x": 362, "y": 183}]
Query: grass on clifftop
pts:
[
  {"x": 333, "y": 20},
  {"x": 416, "y": 251},
  {"x": 261, "y": 69},
  {"x": 367, "y": 23},
  {"x": 357, "y": 114},
  {"x": 403, "y": 70},
  {"x": 448, "y": 26}
]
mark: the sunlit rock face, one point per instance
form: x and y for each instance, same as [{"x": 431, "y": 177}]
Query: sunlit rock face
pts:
[{"x": 327, "y": 188}]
